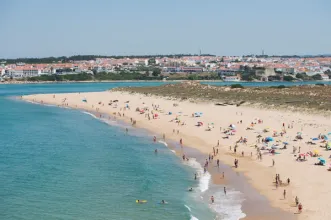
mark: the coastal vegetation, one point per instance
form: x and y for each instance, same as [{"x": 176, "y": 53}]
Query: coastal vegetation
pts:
[
  {"x": 310, "y": 97},
  {"x": 94, "y": 77},
  {"x": 65, "y": 59}
]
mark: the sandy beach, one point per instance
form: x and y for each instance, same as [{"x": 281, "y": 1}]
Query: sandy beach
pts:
[{"x": 178, "y": 120}]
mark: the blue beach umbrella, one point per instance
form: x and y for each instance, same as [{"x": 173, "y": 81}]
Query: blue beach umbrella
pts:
[
  {"x": 322, "y": 160},
  {"x": 269, "y": 139}
]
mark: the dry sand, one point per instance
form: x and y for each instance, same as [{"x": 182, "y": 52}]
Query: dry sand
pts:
[{"x": 309, "y": 182}]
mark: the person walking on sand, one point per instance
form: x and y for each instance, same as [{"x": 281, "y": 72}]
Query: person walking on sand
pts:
[
  {"x": 300, "y": 208},
  {"x": 181, "y": 142},
  {"x": 284, "y": 193},
  {"x": 296, "y": 201},
  {"x": 218, "y": 163},
  {"x": 164, "y": 137},
  {"x": 223, "y": 175},
  {"x": 273, "y": 162},
  {"x": 224, "y": 190},
  {"x": 218, "y": 143},
  {"x": 288, "y": 181},
  {"x": 212, "y": 199}
]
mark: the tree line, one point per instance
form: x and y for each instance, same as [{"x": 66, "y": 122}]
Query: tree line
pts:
[{"x": 65, "y": 59}]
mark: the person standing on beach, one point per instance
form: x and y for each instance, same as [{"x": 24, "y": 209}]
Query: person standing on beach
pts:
[
  {"x": 218, "y": 163},
  {"x": 212, "y": 199},
  {"x": 218, "y": 143},
  {"x": 296, "y": 201},
  {"x": 288, "y": 181},
  {"x": 164, "y": 137},
  {"x": 284, "y": 193},
  {"x": 300, "y": 208},
  {"x": 224, "y": 190},
  {"x": 181, "y": 142},
  {"x": 223, "y": 175},
  {"x": 273, "y": 162}
]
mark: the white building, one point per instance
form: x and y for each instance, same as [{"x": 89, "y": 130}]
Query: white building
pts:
[
  {"x": 231, "y": 78},
  {"x": 325, "y": 77},
  {"x": 22, "y": 73}
]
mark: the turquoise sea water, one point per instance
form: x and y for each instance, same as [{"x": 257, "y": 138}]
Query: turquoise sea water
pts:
[{"x": 63, "y": 164}]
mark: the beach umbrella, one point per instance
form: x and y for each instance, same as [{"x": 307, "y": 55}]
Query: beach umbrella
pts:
[
  {"x": 321, "y": 159},
  {"x": 269, "y": 139},
  {"x": 325, "y": 137},
  {"x": 316, "y": 151}
]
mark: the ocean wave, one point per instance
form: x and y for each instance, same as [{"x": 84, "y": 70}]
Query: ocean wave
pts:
[
  {"x": 228, "y": 206},
  {"x": 204, "y": 178},
  {"x": 90, "y": 114},
  {"x": 192, "y": 217},
  {"x": 163, "y": 142}
]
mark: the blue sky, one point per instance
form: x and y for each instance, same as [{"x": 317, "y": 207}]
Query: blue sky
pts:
[{"x": 39, "y": 28}]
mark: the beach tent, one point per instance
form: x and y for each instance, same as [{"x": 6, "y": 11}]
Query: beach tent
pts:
[
  {"x": 269, "y": 139},
  {"x": 84, "y": 100},
  {"x": 325, "y": 137},
  {"x": 322, "y": 160}
]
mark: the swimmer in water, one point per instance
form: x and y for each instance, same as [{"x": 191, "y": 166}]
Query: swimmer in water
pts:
[
  {"x": 212, "y": 199},
  {"x": 155, "y": 151},
  {"x": 190, "y": 189}
]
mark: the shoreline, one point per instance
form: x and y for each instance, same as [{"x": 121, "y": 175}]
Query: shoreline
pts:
[
  {"x": 260, "y": 210},
  {"x": 260, "y": 176}
]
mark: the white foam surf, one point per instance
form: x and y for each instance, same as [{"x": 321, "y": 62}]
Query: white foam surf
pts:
[
  {"x": 163, "y": 142},
  {"x": 90, "y": 114},
  {"x": 192, "y": 217},
  {"x": 204, "y": 178},
  {"x": 228, "y": 206}
]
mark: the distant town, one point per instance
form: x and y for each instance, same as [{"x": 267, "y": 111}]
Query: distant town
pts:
[{"x": 167, "y": 67}]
